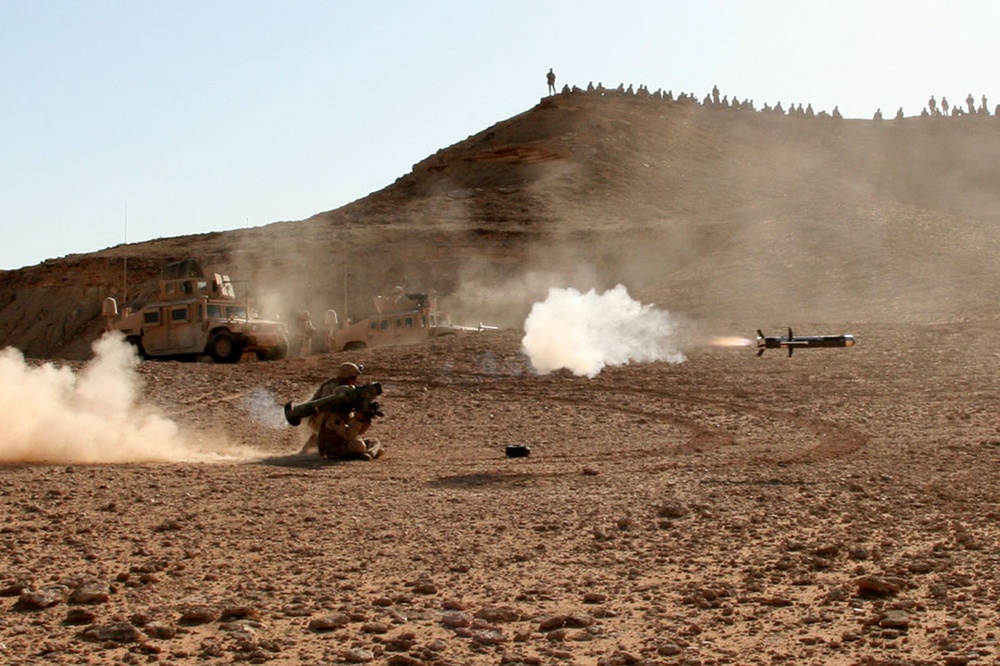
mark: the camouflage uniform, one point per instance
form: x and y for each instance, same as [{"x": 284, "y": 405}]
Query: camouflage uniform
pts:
[
  {"x": 340, "y": 435},
  {"x": 306, "y": 331}
]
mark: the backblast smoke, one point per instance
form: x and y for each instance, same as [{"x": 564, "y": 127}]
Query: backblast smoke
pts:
[
  {"x": 52, "y": 414},
  {"x": 584, "y": 332}
]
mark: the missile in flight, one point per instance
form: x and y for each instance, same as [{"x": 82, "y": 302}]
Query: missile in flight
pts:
[{"x": 793, "y": 342}]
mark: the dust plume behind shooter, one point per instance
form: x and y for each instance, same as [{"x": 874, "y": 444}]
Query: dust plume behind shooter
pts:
[{"x": 53, "y": 415}]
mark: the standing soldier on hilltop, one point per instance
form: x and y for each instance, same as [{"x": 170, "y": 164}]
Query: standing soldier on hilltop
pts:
[{"x": 551, "y": 78}]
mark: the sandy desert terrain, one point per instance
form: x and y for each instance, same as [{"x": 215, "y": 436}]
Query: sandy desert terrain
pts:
[{"x": 836, "y": 507}]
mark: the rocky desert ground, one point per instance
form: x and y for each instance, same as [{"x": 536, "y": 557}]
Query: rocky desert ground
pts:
[{"x": 836, "y": 507}]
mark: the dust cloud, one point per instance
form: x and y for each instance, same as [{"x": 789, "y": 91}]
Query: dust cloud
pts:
[
  {"x": 585, "y": 332},
  {"x": 486, "y": 297},
  {"x": 54, "y": 415}
]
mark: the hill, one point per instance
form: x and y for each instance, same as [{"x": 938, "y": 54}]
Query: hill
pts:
[{"x": 754, "y": 219}]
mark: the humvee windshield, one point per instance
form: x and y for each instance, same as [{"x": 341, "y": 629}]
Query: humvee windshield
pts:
[{"x": 228, "y": 311}]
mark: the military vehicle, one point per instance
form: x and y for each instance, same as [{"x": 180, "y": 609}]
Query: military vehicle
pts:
[
  {"x": 196, "y": 315},
  {"x": 400, "y": 319}
]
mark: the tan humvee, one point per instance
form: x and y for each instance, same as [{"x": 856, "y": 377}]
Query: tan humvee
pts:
[
  {"x": 400, "y": 319},
  {"x": 197, "y": 315}
]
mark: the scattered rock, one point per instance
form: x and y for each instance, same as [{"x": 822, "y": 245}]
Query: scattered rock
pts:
[
  {"x": 15, "y": 589},
  {"x": 118, "y": 632},
  {"x": 403, "y": 660},
  {"x": 895, "y": 619},
  {"x": 492, "y": 636},
  {"x": 160, "y": 630},
  {"x": 498, "y": 614},
  {"x": 882, "y": 586},
  {"x": 168, "y": 526},
  {"x": 238, "y": 612},
  {"x": 576, "y": 621},
  {"x": 329, "y": 622},
  {"x": 90, "y": 592},
  {"x": 424, "y": 587},
  {"x": 45, "y": 597},
  {"x": 80, "y": 616},
  {"x": 199, "y": 614},
  {"x": 401, "y": 643},
  {"x": 669, "y": 650},
  {"x": 357, "y": 656},
  {"x": 375, "y": 628},
  {"x": 456, "y": 619},
  {"x": 672, "y": 509}
]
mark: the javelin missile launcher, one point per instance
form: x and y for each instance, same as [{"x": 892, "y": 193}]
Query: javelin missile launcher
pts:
[{"x": 343, "y": 399}]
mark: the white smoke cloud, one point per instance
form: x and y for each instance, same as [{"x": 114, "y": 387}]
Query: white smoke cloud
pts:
[
  {"x": 263, "y": 407},
  {"x": 51, "y": 414},
  {"x": 584, "y": 332}
]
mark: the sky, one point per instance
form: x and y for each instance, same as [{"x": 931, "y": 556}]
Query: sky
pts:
[{"x": 130, "y": 120}]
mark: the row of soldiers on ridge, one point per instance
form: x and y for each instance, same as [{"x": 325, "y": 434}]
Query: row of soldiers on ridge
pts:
[
  {"x": 718, "y": 101},
  {"x": 945, "y": 109},
  {"x": 713, "y": 100}
]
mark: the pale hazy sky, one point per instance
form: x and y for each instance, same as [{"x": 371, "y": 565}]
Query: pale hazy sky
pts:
[{"x": 177, "y": 117}]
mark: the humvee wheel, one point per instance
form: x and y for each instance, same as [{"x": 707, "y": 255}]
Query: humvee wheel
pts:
[
  {"x": 223, "y": 348},
  {"x": 139, "y": 349},
  {"x": 276, "y": 354}
]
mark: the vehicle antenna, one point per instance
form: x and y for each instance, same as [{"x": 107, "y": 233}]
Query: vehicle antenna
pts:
[
  {"x": 125, "y": 262},
  {"x": 343, "y": 242}
]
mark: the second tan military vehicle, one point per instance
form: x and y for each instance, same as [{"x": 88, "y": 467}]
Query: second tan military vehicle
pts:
[{"x": 399, "y": 319}]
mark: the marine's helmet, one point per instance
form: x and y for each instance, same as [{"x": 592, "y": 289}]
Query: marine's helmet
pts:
[{"x": 348, "y": 370}]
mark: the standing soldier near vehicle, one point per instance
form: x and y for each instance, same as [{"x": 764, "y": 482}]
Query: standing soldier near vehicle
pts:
[{"x": 306, "y": 331}]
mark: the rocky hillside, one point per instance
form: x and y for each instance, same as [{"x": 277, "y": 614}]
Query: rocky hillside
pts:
[{"x": 756, "y": 219}]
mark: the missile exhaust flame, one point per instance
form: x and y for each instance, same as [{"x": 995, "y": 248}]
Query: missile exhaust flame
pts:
[{"x": 731, "y": 341}]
